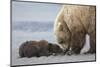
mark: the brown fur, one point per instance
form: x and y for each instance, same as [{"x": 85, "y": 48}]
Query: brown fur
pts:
[
  {"x": 34, "y": 48},
  {"x": 38, "y": 48},
  {"x": 54, "y": 48},
  {"x": 72, "y": 24}
]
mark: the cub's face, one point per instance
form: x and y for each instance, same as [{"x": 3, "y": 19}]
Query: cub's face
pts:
[{"x": 54, "y": 48}]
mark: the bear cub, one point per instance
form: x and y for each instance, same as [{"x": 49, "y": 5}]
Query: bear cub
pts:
[{"x": 38, "y": 48}]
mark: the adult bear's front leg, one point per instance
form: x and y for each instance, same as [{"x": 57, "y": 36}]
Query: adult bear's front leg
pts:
[{"x": 77, "y": 43}]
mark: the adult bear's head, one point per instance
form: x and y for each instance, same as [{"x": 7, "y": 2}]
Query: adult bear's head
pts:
[{"x": 63, "y": 36}]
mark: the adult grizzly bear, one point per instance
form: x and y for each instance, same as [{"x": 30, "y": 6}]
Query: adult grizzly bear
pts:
[
  {"x": 38, "y": 48},
  {"x": 72, "y": 24}
]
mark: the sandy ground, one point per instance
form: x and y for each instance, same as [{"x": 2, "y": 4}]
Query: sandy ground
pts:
[{"x": 50, "y": 59}]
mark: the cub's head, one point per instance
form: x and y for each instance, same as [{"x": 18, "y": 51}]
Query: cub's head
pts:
[{"x": 55, "y": 49}]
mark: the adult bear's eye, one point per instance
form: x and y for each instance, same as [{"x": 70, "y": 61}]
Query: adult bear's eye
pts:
[{"x": 60, "y": 28}]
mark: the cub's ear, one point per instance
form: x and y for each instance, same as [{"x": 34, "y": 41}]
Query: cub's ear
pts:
[{"x": 50, "y": 45}]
